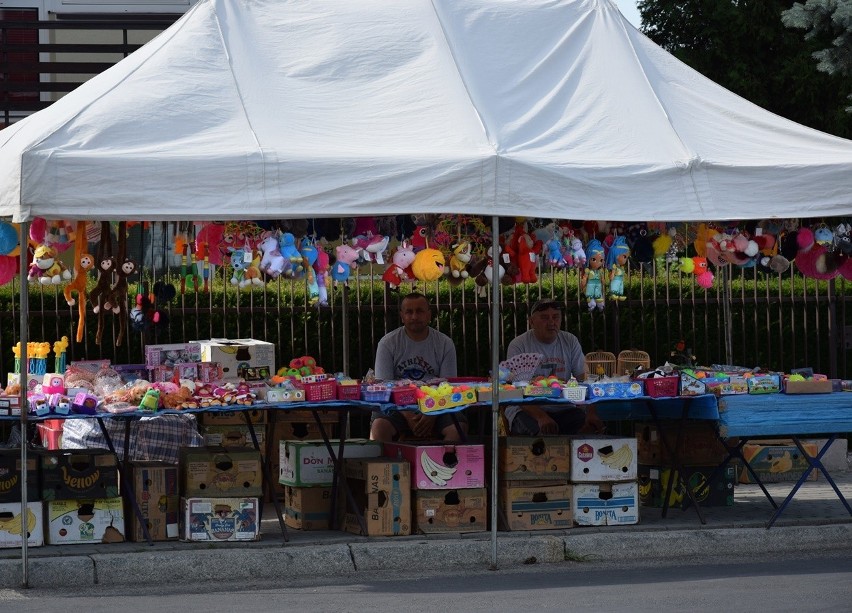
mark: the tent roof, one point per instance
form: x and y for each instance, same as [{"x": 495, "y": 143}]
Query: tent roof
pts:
[{"x": 300, "y": 108}]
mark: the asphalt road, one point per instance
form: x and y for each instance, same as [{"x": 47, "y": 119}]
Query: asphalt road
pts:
[{"x": 769, "y": 584}]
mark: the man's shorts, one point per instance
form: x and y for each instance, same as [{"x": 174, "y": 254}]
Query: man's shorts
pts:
[
  {"x": 569, "y": 420},
  {"x": 401, "y": 426}
]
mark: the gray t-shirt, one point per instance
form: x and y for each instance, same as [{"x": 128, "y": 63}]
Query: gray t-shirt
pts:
[
  {"x": 563, "y": 358},
  {"x": 399, "y": 357}
]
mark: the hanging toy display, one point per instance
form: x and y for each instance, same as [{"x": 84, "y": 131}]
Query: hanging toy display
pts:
[
  {"x": 616, "y": 264},
  {"x": 321, "y": 268},
  {"x": 116, "y": 299},
  {"x": 83, "y": 263},
  {"x": 555, "y": 251},
  {"x": 594, "y": 276},
  {"x": 698, "y": 266},
  {"x": 813, "y": 259},
  {"x": 523, "y": 250},
  {"x": 272, "y": 263},
  {"x": 371, "y": 248},
  {"x": 290, "y": 252},
  {"x": 399, "y": 270},
  {"x": 46, "y": 266},
  {"x": 459, "y": 261},
  {"x": 428, "y": 264},
  {"x": 347, "y": 261},
  {"x": 245, "y": 267},
  {"x": 106, "y": 267}
]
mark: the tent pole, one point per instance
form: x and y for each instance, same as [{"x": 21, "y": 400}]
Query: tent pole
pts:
[
  {"x": 495, "y": 383},
  {"x": 23, "y": 337},
  {"x": 345, "y": 324},
  {"x": 726, "y": 310}
]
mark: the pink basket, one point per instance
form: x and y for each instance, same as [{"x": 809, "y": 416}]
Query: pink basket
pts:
[
  {"x": 349, "y": 392},
  {"x": 657, "y": 387},
  {"x": 406, "y": 394},
  {"x": 324, "y": 390}
]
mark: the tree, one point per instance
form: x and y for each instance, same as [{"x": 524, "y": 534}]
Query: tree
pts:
[
  {"x": 744, "y": 46},
  {"x": 828, "y": 22}
]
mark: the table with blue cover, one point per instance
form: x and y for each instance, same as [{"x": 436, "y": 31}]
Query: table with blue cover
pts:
[{"x": 750, "y": 416}]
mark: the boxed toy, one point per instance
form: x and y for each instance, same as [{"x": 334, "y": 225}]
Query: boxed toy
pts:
[
  {"x": 218, "y": 471},
  {"x": 438, "y": 511},
  {"x": 764, "y": 384},
  {"x": 309, "y": 463},
  {"x": 83, "y": 473},
  {"x": 155, "y": 486},
  {"x": 691, "y": 386},
  {"x": 11, "y": 526},
  {"x": 85, "y": 521},
  {"x": 441, "y": 466},
  {"x": 699, "y": 443},
  {"x": 654, "y": 480},
  {"x": 430, "y": 404},
  {"x": 10, "y": 476},
  {"x": 775, "y": 461},
  {"x": 544, "y": 505},
  {"x": 603, "y": 458},
  {"x": 170, "y": 355},
  {"x": 232, "y": 355},
  {"x": 605, "y": 504},
  {"x": 307, "y": 508},
  {"x": 523, "y": 458},
  {"x": 219, "y": 519},
  {"x": 616, "y": 389},
  {"x": 735, "y": 384},
  {"x": 382, "y": 496}
]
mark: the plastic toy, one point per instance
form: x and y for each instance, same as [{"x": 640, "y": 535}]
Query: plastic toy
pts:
[
  {"x": 594, "y": 276},
  {"x": 616, "y": 261}
]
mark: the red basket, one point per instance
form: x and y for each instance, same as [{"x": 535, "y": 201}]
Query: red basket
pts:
[
  {"x": 324, "y": 390},
  {"x": 404, "y": 394},
  {"x": 657, "y": 387},
  {"x": 349, "y": 392}
]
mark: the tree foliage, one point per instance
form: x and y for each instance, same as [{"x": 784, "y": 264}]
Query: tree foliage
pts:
[{"x": 744, "y": 46}]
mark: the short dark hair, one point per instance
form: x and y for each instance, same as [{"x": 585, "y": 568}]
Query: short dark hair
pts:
[
  {"x": 415, "y": 296},
  {"x": 545, "y": 304}
]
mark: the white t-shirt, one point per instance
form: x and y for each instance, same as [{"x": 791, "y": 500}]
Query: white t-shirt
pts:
[{"x": 400, "y": 357}]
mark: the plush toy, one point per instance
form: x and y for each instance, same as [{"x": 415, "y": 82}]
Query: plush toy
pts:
[
  {"x": 459, "y": 260},
  {"x": 46, "y": 266},
  {"x": 399, "y": 271},
  {"x": 239, "y": 261},
  {"x": 594, "y": 276},
  {"x": 698, "y": 267},
  {"x": 347, "y": 257},
  {"x": 428, "y": 264},
  {"x": 555, "y": 256},
  {"x": 616, "y": 262},
  {"x": 272, "y": 263},
  {"x": 321, "y": 268},
  {"x": 482, "y": 270},
  {"x": 418, "y": 239},
  {"x": 371, "y": 248},
  {"x": 288, "y": 249},
  {"x": 210, "y": 234},
  {"x": 106, "y": 266},
  {"x": 576, "y": 251},
  {"x": 813, "y": 259}
]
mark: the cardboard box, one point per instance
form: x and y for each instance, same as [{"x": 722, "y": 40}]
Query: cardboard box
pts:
[
  {"x": 809, "y": 386},
  {"x": 234, "y": 436},
  {"x": 10, "y": 476},
  {"x": 513, "y": 393},
  {"x": 290, "y": 431},
  {"x": 306, "y": 416},
  {"x": 234, "y": 355},
  {"x": 11, "y": 526},
  {"x": 307, "y": 508},
  {"x": 220, "y": 472},
  {"x": 309, "y": 463},
  {"x": 85, "y": 521},
  {"x": 219, "y": 519},
  {"x": 653, "y": 481},
  {"x": 437, "y": 511},
  {"x": 699, "y": 443},
  {"x": 155, "y": 485},
  {"x": 83, "y": 473},
  {"x": 280, "y": 395},
  {"x": 691, "y": 386},
  {"x": 233, "y": 418},
  {"x": 441, "y": 466},
  {"x": 382, "y": 495},
  {"x": 544, "y": 505},
  {"x": 774, "y": 462},
  {"x": 606, "y": 504},
  {"x": 764, "y": 384},
  {"x": 430, "y": 404},
  {"x": 523, "y": 458},
  {"x": 169, "y": 355},
  {"x": 603, "y": 458}
]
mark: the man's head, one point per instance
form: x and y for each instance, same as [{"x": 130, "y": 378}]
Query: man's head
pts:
[
  {"x": 546, "y": 320},
  {"x": 416, "y": 315}
]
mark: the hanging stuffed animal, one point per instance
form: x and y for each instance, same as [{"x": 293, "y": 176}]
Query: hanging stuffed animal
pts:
[
  {"x": 116, "y": 299},
  {"x": 616, "y": 264},
  {"x": 83, "y": 263},
  {"x": 371, "y": 247},
  {"x": 459, "y": 260},
  {"x": 594, "y": 276},
  {"x": 555, "y": 254},
  {"x": 347, "y": 257},
  {"x": 577, "y": 253},
  {"x": 309, "y": 258},
  {"x": 272, "y": 263},
  {"x": 321, "y": 268},
  {"x": 698, "y": 267},
  {"x": 428, "y": 264},
  {"x": 399, "y": 271},
  {"x": 245, "y": 266},
  {"x": 482, "y": 270},
  {"x": 106, "y": 267},
  {"x": 814, "y": 260},
  {"x": 46, "y": 266},
  {"x": 288, "y": 249}
]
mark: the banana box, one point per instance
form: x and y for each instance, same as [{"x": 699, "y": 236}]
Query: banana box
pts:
[
  {"x": 654, "y": 481},
  {"x": 309, "y": 463},
  {"x": 236, "y": 355},
  {"x": 382, "y": 494},
  {"x": 290, "y": 431},
  {"x": 699, "y": 445},
  {"x": 437, "y": 465},
  {"x": 79, "y": 473},
  {"x": 85, "y": 521},
  {"x": 155, "y": 486},
  {"x": 437, "y": 511},
  {"x": 220, "y": 471},
  {"x": 776, "y": 462},
  {"x": 605, "y": 504},
  {"x": 233, "y": 418},
  {"x": 11, "y": 526},
  {"x": 603, "y": 458},
  {"x": 219, "y": 519},
  {"x": 234, "y": 436},
  {"x": 535, "y": 505},
  {"x": 10, "y": 476},
  {"x": 522, "y": 458},
  {"x": 307, "y": 508}
]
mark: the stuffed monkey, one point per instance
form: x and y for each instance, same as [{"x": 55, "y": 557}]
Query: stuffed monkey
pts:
[
  {"x": 83, "y": 263},
  {"x": 106, "y": 265}
]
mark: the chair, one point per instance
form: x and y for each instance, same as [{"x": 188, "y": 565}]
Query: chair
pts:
[
  {"x": 630, "y": 360},
  {"x": 600, "y": 363}
]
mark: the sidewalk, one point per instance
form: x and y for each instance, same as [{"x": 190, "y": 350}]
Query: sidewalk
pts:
[{"x": 815, "y": 520}]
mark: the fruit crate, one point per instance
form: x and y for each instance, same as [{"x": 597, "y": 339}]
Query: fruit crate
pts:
[
  {"x": 657, "y": 387},
  {"x": 320, "y": 391}
]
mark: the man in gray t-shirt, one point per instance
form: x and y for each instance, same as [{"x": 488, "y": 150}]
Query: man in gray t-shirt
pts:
[
  {"x": 419, "y": 352},
  {"x": 563, "y": 358}
]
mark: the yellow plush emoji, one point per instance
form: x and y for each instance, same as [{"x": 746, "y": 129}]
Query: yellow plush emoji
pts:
[{"x": 428, "y": 264}]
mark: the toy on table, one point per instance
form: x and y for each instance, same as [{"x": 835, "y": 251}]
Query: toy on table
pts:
[
  {"x": 616, "y": 261},
  {"x": 594, "y": 276},
  {"x": 150, "y": 401},
  {"x": 38, "y": 360}
]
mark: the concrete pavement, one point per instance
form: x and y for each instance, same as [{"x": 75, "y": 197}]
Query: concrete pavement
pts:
[{"x": 814, "y": 521}]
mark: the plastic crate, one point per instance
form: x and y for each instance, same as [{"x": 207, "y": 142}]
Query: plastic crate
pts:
[
  {"x": 403, "y": 395},
  {"x": 323, "y": 390},
  {"x": 656, "y": 387},
  {"x": 575, "y": 393},
  {"x": 349, "y": 392},
  {"x": 371, "y": 393}
]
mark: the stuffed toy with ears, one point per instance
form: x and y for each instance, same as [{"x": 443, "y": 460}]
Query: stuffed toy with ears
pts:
[
  {"x": 347, "y": 258},
  {"x": 83, "y": 263},
  {"x": 459, "y": 261},
  {"x": 399, "y": 271},
  {"x": 428, "y": 264},
  {"x": 813, "y": 259}
]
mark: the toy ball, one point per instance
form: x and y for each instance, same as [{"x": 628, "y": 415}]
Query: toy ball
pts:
[
  {"x": 296, "y": 363},
  {"x": 428, "y": 265},
  {"x": 8, "y": 238},
  {"x": 305, "y": 370},
  {"x": 309, "y": 361}
]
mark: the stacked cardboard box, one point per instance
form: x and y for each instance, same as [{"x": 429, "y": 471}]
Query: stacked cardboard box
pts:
[
  {"x": 447, "y": 485},
  {"x": 12, "y": 528},
  {"x": 381, "y": 489},
  {"x": 155, "y": 487},
  {"x": 296, "y": 425},
  {"x": 603, "y": 477}
]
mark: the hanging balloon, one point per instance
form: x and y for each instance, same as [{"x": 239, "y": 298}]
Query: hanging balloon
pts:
[
  {"x": 38, "y": 230},
  {"x": 8, "y": 268},
  {"x": 8, "y": 238}
]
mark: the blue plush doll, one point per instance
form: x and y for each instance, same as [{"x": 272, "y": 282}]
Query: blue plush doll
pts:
[
  {"x": 594, "y": 275},
  {"x": 616, "y": 261}
]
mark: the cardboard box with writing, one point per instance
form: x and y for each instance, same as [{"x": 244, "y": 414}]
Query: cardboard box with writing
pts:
[
  {"x": 234, "y": 436},
  {"x": 606, "y": 504},
  {"x": 653, "y": 482},
  {"x": 603, "y": 458},
  {"x": 307, "y": 508},
  {"x": 233, "y": 418},
  {"x": 309, "y": 463},
  {"x": 462, "y": 510},
  {"x": 290, "y": 431},
  {"x": 219, "y": 520},
  {"x": 12, "y": 527},
  {"x": 10, "y": 476},
  {"x": 235, "y": 355},
  {"x": 155, "y": 486},
  {"x": 382, "y": 492},
  {"x": 438, "y": 465},
  {"x": 699, "y": 443},
  {"x": 523, "y": 458},
  {"x": 535, "y": 505},
  {"x": 83, "y": 473},
  {"x": 85, "y": 521},
  {"x": 220, "y": 472},
  {"x": 775, "y": 461}
]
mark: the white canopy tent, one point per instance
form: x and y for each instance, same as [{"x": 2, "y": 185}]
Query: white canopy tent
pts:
[
  {"x": 280, "y": 109},
  {"x": 273, "y": 108}
]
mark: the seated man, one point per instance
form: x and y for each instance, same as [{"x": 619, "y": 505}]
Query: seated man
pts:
[
  {"x": 563, "y": 358},
  {"x": 419, "y": 352}
]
